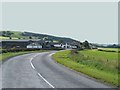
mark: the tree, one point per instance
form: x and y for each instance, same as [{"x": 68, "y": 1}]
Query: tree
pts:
[
  {"x": 9, "y": 33},
  {"x": 30, "y": 37},
  {"x": 10, "y": 37},
  {"x": 39, "y": 37},
  {"x": 61, "y": 41},
  {"x": 6, "y": 33},
  {"x": 3, "y": 33},
  {"x": 86, "y": 44}
]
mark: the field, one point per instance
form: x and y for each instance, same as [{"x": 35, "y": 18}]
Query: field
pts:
[
  {"x": 15, "y": 35},
  {"x": 111, "y": 49},
  {"x": 98, "y": 64},
  {"x": 1, "y": 37}
]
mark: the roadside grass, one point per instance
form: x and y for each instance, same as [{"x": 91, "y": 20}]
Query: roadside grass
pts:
[
  {"x": 10, "y": 54},
  {"x": 7, "y": 55},
  {"x": 100, "y": 65}
]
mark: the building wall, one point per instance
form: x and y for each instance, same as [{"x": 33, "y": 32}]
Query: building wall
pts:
[
  {"x": 14, "y": 44},
  {"x": 29, "y": 46},
  {"x": 21, "y": 44}
]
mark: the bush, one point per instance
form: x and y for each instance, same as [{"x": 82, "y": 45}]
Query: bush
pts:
[{"x": 74, "y": 51}]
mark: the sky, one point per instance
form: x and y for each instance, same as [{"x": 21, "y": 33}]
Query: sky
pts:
[{"x": 96, "y": 22}]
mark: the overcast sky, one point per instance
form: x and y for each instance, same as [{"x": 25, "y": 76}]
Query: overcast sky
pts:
[{"x": 95, "y": 22}]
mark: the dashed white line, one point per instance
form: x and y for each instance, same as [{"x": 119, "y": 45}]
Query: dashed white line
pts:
[
  {"x": 32, "y": 66},
  {"x": 39, "y": 73}
]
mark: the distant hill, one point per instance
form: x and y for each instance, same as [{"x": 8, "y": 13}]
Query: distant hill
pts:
[
  {"x": 106, "y": 45},
  {"x": 30, "y": 35}
]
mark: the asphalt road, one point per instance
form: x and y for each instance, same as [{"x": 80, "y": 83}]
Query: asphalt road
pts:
[{"x": 39, "y": 70}]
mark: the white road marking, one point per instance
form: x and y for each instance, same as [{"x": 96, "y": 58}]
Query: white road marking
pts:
[
  {"x": 52, "y": 54},
  {"x": 45, "y": 80},
  {"x": 32, "y": 65},
  {"x": 39, "y": 73}
]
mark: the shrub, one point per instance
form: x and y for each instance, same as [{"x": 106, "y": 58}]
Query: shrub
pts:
[{"x": 74, "y": 51}]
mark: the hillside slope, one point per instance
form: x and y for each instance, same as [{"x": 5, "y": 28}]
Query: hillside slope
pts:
[{"x": 30, "y": 35}]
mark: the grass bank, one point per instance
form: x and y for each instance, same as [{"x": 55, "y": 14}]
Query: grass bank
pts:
[
  {"x": 7, "y": 55},
  {"x": 97, "y": 64}
]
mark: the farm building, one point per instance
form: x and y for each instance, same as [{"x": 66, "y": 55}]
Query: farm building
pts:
[
  {"x": 34, "y": 45},
  {"x": 21, "y": 43},
  {"x": 8, "y": 44},
  {"x": 65, "y": 46}
]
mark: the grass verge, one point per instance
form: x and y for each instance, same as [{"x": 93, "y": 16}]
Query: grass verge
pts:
[
  {"x": 5, "y": 56},
  {"x": 68, "y": 59}
]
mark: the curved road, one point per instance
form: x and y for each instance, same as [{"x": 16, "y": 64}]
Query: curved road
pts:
[{"x": 38, "y": 70}]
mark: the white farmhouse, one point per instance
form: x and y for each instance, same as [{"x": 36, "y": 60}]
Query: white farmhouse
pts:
[
  {"x": 34, "y": 45},
  {"x": 74, "y": 47},
  {"x": 65, "y": 46},
  {"x": 58, "y": 45}
]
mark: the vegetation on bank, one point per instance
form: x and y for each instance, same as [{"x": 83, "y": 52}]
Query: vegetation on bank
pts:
[
  {"x": 7, "y": 55},
  {"x": 98, "y": 64},
  {"x": 26, "y": 49},
  {"x": 10, "y": 54}
]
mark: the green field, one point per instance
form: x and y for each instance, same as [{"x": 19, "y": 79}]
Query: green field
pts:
[
  {"x": 111, "y": 49},
  {"x": 1, "y": 37},
  {"x": 15, "y": 35},
  {"x": 98, "y": 64}
]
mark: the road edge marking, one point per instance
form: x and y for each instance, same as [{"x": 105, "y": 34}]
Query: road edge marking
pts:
[{"x": 39, "y": 73}]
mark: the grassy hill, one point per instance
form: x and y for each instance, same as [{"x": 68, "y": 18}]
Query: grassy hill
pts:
[{"x": 30, "y": 35}]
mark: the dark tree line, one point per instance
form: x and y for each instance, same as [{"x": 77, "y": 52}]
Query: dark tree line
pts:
[
  {"x": 6, "y": 33},
  {"x": 86, "y": 44}
]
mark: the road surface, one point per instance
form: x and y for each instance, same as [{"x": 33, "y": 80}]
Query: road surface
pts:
[{"x": 39, "y": 70}]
